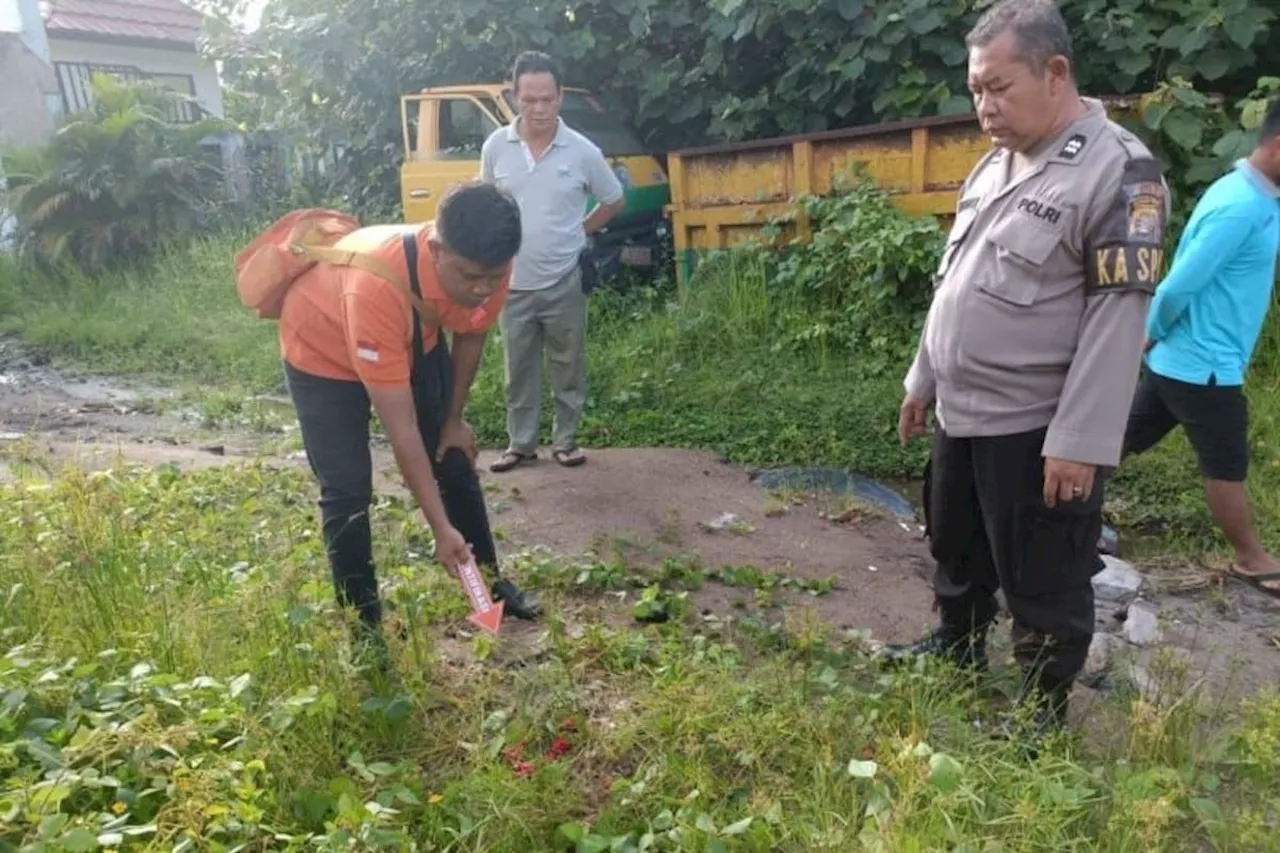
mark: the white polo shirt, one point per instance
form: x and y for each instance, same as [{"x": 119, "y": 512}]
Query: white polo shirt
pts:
[{"x": 552, "y": 194}]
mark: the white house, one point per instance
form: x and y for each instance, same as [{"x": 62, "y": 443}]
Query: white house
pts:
[
  {"x": 52, "y": 48},
  {"x": 156, "y": 40}
]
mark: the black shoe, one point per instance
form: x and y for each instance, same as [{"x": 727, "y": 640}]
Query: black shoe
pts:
[
  {"x": 967, "y": 651},
  {"x": 1038, "y": 713},
  {"x": 369, "y": 649},
  {"x": 522, "y": 605}
]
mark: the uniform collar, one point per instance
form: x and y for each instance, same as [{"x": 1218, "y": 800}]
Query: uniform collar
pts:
[
  {"x": 1068, "y": 145},
  {"x": 557, "y": 141},
  {"x": 1259, "y": 180}
]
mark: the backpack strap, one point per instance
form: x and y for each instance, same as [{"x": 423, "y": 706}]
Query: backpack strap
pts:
[
  {"x": 415, "y": 288},
  {"x": 376, "y": 266}
]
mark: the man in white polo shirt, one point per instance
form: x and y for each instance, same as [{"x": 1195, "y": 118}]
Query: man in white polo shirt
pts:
[{"x": 551, "y": 170}]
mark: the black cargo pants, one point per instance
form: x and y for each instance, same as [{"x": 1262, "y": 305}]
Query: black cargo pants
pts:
[
  {"x": 334, "y": 419},
  {"x": 989, "y": 529}
]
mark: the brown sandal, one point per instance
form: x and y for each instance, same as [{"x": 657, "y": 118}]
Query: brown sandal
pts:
[
  {"x": 511, "y": 459},
  {"x": 570, "y": 458}
]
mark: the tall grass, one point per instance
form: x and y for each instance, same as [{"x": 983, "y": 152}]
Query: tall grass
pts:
[
  {"x": 177, "y": 318},
  {"x": 175, "y": 676},
  {"x": 733, "y": 362}
]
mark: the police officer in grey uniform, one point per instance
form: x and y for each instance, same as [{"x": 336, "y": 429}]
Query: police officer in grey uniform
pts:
[{"x": 1030, "y": 354}]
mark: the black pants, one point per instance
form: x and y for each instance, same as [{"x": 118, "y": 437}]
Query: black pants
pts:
[
  {"x": 989, "y": 529},
  {"x": 1215, "y": 418},
  {"x": 334, "y": 419}
]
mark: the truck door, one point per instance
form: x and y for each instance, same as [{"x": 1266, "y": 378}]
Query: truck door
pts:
[{"x": 443, "y": 134}]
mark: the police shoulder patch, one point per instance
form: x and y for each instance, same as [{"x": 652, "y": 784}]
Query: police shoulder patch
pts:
[
  {"x": 1145, "y": 212},
  {"x": 1126, "y": 246},
  {"x": 1146, "y": 201}
]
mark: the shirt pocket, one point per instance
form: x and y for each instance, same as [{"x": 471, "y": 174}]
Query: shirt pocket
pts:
[
  {"x": 1024, "y": 248},
  {"x": 955, "y": 237}
]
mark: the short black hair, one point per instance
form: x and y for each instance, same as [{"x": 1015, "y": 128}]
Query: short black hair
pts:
[
  {"x": 534, "y": 62},
  {"x": 1038, "y": 28},
  {"x": 1271, "y": 123},
  {"x": 481, "y": 223}
]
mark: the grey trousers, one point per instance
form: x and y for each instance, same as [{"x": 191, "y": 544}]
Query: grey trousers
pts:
[{"x": 551, "y": 321}]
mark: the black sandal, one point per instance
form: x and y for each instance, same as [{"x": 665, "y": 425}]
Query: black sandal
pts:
[
  {"x": 511, "y": 459},
  {"x": 1258, "y": 582}
]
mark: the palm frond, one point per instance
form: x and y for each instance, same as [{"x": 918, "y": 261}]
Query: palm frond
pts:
[{"x": 115, "y": 181}]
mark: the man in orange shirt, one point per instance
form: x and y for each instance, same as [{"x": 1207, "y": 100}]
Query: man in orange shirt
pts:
[{"x": 350, "y": 339}]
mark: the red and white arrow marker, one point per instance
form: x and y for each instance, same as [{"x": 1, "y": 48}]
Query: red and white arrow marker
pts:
[{"x": 485, "y": 614}]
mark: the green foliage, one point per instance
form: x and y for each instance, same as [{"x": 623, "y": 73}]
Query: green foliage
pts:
[
  {"x": 174, "y": 676},
  {"x": 1197, "y": 136},
  {"x": 865, "y": 277},
  {"x": 116, "y": 181},
  {"x": 176, "y": 316},
  {"x": 684, "y": 71},
  {"x": 741, "y": 361}
]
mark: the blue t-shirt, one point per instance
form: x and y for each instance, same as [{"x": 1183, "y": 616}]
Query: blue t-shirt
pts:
[{"x": 1208, "y": 312}]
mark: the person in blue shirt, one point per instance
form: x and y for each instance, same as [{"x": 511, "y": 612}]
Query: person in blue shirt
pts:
[{"x": 1202, "y": 327}]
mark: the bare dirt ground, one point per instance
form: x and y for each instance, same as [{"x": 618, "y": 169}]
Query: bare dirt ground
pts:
[{"x": 645, "y": 505}]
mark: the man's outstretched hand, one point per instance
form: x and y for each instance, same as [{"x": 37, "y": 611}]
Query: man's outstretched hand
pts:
[
  {"x": 452, "y": 549},
  {"x": 913, "y": 420}
]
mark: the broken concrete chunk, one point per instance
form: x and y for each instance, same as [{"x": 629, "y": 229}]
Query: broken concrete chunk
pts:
[
  {"x": 1118, "y": 582},
  {"x": 727, "y": 521},
  {"x": 1109, "y": 541},
  {"x": 1101, "y": 652},
  {"x": 1142, "y": 627}
]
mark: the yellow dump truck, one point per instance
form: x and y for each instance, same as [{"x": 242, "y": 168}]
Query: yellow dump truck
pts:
[
  {"x": 722, "y": 195},
  {"x": 444, "y": 129}
]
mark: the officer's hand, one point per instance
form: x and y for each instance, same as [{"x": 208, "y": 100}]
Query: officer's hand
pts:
[
  {"x": 452, "y": 550},
  {"x": 1067, "y": 481},
  {"x": 913, "y": 420},
  {"x": 458, "y": 433}
]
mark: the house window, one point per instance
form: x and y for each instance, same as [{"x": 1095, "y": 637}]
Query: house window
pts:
[
  {"x": 182, "y": 83},
  {"x": 75, "y": 83}
]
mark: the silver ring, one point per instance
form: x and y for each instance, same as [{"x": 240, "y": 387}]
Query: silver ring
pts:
[{"x": 1077, "y": 490}]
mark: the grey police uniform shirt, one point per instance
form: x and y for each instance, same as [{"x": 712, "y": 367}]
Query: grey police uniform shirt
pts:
[
  {"x": 552, "y": 193},
  {"x": 1041, "y": 297}
]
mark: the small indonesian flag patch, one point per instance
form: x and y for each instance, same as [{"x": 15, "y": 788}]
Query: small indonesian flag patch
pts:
[{"x": 367, "y": 351}]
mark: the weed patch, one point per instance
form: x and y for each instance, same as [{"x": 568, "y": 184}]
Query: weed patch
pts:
[
  {"x": 174, "y": 676},
  {"x": 792, "y": 358}
]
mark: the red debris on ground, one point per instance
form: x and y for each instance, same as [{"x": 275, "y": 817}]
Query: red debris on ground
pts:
[{"x": 560, "y": 747}]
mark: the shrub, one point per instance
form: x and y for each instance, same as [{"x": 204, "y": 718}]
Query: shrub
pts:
[
  {"x": 859, "y": 286},
  {"x": 116, "y": 180}
]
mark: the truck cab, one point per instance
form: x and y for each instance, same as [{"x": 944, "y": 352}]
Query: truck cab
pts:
[{"x": 445, "y": 127}]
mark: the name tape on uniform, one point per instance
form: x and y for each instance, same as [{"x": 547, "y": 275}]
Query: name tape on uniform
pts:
[
  {"x": 1040, "y": 210},
  {"x": 1127, "y": 266}
]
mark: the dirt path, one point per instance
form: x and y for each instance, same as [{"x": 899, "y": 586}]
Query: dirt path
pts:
[{"x": 641, "y": 506}]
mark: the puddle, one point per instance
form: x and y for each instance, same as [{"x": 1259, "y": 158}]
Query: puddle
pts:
[
  {"x": 899, "y": 498},
  {"x": 23, "y": 372},
  {"x": 840, "y": 482}
]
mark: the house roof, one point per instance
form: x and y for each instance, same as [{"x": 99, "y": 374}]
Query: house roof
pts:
[{"x": 148, "y": 20}]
